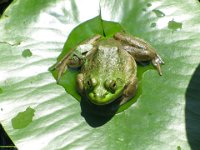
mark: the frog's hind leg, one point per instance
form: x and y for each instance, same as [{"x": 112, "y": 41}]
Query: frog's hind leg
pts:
[
  {"x": 75, "y": 58},
  {"x": 70, "y": 60},
  {"x": 139, "y": 49},
  {"x": 61, "y": 66},
  {"x": 145, "y": 55},
  {"x": 93, "y": 39}
]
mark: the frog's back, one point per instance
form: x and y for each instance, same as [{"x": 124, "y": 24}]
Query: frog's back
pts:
[{"x": 108, "y": 60}]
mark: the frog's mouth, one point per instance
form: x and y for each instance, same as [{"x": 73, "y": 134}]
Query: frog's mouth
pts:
[{"x": 106, "y": 98}]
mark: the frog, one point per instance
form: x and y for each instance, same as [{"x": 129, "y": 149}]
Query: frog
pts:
[{"x": 108, "y": 67}]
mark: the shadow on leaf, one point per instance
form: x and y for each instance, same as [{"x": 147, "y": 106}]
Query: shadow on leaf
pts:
[{"x": 97, "y": 116}]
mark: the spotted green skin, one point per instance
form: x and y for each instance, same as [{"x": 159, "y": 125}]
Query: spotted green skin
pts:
[
  {"x": 108, "y": 61},
  {"x": 108, "y": 70}
]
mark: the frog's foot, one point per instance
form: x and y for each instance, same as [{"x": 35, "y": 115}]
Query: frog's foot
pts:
[{"x": 157, "y": 61}]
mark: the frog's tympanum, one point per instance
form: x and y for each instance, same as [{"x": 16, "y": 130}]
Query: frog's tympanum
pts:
[{"x": 108, "y": 67}]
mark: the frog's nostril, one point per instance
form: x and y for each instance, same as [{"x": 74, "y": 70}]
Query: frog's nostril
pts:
[
  {"x": 96, "y": 94},
  {"x": 99, "y": 95}
]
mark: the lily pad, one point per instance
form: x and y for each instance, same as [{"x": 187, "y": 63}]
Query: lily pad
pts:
[{"x": 166, "y": 112}]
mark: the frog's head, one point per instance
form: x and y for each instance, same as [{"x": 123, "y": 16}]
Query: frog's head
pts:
[{"x": 103, "y": 91}]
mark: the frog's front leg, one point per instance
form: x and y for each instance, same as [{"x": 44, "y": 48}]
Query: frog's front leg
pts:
[
  {"x": 139, "y": 49},
  {"x": 129, "y": 90},
  {"x": 75, "y": 58}
]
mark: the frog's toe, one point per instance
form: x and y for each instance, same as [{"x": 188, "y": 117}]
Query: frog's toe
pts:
[{"x": 157, "y": 61}]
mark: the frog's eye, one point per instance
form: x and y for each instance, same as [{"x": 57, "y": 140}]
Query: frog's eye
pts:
[
  {"x": 111, "y": 85},
  {"x": 91, "y": 83}
]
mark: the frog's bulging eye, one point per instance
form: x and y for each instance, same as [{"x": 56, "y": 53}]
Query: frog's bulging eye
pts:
[
  {"x": 91, "y": 83},
  {"x": 111, "y": 85}
]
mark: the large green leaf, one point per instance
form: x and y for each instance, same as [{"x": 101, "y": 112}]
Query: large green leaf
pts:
[{"x": 37, "y": 113}]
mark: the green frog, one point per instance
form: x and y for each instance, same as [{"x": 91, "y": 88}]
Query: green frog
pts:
[{"x": 108, "y": 69}]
